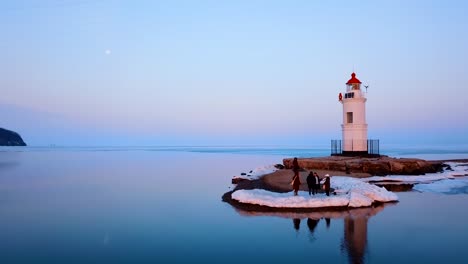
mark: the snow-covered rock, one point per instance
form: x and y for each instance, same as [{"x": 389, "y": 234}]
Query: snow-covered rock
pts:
[
  {"x": 452, "y": 181},
  {"x": 255, "y": 173},
  {"x": 356, "y": 199},
  {"x": 458, "y": 170},
  {"x": 351, "y": 192}
]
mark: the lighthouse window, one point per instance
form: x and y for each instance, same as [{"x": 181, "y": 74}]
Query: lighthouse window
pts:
[
  {"x": 349, "y": 117},
  {"x": 349, "y": 95}
]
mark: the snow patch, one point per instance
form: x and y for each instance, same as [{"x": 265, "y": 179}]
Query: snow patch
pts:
[
  {"x": 358, "y": 200},
  {"x": 373, "y": 192},
  {"x": 452, "y": 181},
  {"x": 256, "y": 173},
  {"x": 409, "y": 178},
  {"x": 458, "y": 170},
  {"x": 351, "y": 192},
  {"x": 288, "y": 200}
]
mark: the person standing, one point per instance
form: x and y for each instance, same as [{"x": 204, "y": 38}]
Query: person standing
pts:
[
  {"x": 311, "y": 183},
  {"x": 296, "y": 182},
  {"x": 317, "y": 182},
  {"x": 327, "y": 184},
  {"x": 295, "y": 164}
]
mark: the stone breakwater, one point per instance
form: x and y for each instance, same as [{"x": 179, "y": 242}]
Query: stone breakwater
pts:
[{"x": 379, "y": 166}]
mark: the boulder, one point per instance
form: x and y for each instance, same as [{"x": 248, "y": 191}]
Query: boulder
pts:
[
  {"x": 236, "y": 179},
  {"x": 354, "y": 166},
  {"x": 337, "y": 165},
  {"x": 279, "y": 166},
  {"x": 396, "y": 166},
  {"x": 376, "y": 168}
]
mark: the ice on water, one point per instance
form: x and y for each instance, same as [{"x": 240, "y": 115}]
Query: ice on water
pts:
[{"x": 454, "y": 181}]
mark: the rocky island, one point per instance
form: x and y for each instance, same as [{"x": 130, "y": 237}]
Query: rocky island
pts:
[
  {"x": 356, "y": 182},
  {"x": 10, "y": 138}
]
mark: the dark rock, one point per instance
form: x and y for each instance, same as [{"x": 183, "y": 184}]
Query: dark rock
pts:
[
  {"x": 382, "y": 165},
  {"x": 396, "y": 167},
  {"x": 243, "y": 174},
  {"x": 10, "y": 138},
  {"x": 279, "y": 166},
  {"x": 236, "y": 180},
  {"x": 354, "y": 166},
  {"x": 447, "y": 167},
  {"x": 337, "y": 166},
  {"x": 403, "y": 187},
  {"x": 376, "y": 168}
]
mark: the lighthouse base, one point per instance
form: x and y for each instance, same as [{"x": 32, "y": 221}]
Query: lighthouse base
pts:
[
  {"x": 363, "y": 154},
  {"x": 372, "y": 150},
  {"x": 354, "y": 153}
]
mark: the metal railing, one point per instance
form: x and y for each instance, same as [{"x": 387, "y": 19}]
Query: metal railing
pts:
[
  {"x": 337, "y": 146},
  {"x": 373, "y": 146}
]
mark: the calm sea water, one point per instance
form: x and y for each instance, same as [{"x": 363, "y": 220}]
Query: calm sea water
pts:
[{"x": 163, "y": 205}]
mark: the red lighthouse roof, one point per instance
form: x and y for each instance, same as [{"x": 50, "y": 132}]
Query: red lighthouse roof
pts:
[{"x": 353, "y": 79}]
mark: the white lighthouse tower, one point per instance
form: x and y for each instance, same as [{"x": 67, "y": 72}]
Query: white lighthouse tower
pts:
[{"x": 354, "y": 127}]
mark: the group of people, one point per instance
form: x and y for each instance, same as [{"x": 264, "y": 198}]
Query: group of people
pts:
[{"x": 313, "y": 180}]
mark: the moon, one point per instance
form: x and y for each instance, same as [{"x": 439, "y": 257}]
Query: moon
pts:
[{"x": 107, "y": 51}]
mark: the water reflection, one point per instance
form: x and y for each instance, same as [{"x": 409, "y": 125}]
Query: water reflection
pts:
[
  {"x": 327, "y": 220},
  {"x": 354, "y": 240},
  {"x": 312, "y": 224},
  {"x": 297, "y": 223}
]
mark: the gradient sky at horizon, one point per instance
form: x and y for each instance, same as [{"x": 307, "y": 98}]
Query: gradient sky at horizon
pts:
[{"x": 230, "y": 72}]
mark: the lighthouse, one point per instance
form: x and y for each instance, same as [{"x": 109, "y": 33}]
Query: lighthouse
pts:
[{"x": 354, "y": 126}]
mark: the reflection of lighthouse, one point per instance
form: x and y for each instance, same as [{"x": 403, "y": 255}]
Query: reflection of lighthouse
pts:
[{"x": 355, "y": 237}]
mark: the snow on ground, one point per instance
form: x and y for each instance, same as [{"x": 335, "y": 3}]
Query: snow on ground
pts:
[
  {"x": 448, "y": 182},
  {"x": 288, "y": 200},
  {"x": 373, "y": 192},
  {"x": 351, "y": 192},
  {"x": 257, "y": 172},
  {"x": 409, "y": 178}
]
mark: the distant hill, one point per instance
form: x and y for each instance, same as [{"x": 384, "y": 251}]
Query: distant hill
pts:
[{"x": 10, "y": 138}]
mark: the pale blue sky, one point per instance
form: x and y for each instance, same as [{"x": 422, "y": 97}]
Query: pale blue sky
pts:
[{"x": 230, "y": 72}]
